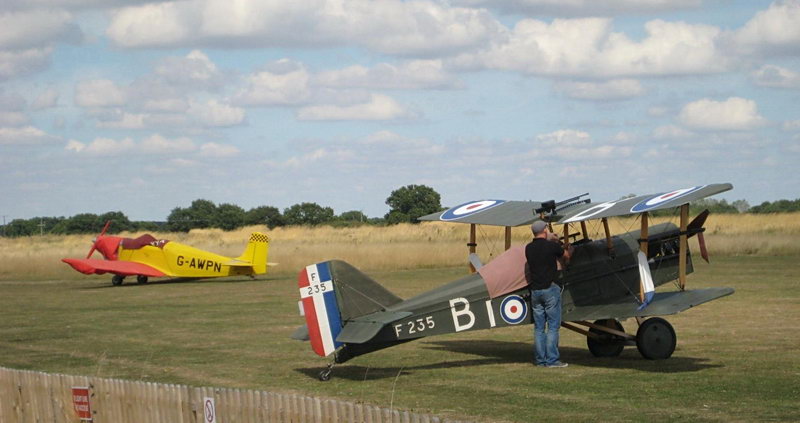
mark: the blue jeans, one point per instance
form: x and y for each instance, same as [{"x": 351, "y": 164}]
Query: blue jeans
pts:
[{"x": 546, "y": 306}]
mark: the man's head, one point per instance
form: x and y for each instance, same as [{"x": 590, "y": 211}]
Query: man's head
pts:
[{"x": 538, "y": 227}]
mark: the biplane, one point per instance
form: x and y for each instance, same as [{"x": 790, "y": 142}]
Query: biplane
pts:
[
  {"x": 147, "y": 256},
  {"x": 607, "y": 280}
]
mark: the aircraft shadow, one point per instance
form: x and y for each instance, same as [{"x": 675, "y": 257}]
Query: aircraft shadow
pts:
[
  {"x": 505, "y": 352},
  {"x": 132, "y": 282}
]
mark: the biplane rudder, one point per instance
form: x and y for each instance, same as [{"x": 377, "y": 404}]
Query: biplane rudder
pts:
[
  {"x": 256, "y": 252},
  {"x": 331, "y": 294}
]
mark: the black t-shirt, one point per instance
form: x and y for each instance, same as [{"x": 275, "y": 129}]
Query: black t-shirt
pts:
[{"x": 542, "y": 255}]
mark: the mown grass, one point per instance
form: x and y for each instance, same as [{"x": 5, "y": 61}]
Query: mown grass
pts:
[
  {"x": 406, "y": 246},
  {"x": 736, "y": 358}
]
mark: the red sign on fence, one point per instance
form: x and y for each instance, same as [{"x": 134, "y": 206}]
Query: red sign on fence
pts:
[{"x": 80, "y": 402}]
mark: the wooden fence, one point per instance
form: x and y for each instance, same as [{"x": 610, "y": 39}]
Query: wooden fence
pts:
[{"x": 28, "y": 397}]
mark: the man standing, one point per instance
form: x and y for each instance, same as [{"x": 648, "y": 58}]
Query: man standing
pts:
[{"x": 542, "y": 254}]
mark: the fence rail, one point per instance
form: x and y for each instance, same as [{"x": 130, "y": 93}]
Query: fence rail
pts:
[{"x": 28, "y": 397}]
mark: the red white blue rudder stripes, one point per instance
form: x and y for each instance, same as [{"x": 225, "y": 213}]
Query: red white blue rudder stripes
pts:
[{"x": 320, "y": 307}]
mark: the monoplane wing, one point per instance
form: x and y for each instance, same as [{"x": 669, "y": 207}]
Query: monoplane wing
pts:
[
  {"x": 118, "y": 267},
  {"x": 489, "y": 212},
  {"x": 640, "y": 204},
  {"x": 663, "y": 303}
]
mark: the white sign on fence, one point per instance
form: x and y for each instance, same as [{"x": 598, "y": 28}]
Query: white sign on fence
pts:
[{"x": 209, "y": 411}]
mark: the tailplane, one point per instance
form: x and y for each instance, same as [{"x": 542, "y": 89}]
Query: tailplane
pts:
[
  {"x": 256, "y": 252},
  {"x": 332, "y": 293}
]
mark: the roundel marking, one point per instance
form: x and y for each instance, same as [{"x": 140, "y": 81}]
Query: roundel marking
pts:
[
  {"x": 659, "y": 199},
  {"x": 513, "y": 309},
  {"x": 469, "y": 208}
]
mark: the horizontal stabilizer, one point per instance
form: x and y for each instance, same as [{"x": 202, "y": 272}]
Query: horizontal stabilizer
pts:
[
  {"x": 364, "y": 328},
  {"x": 663, "y": 303}
]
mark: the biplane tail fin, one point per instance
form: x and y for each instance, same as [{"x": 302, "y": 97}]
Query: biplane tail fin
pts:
[
  {"x": 332, "y": 293},
  {"x": 256, "y": 252}
]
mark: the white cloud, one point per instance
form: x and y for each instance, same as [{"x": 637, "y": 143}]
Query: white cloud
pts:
[
  {"x": 379, "y": 107},
  {"x": 99, "y": 93},
  {"x": 733, "y": 114},
  {"x": 616, "y": 89},
  {"x": 215, "y": 150},
  {"x": 772, "y": 31},
  {"x": 776, "y": 77},
  {"x": 23, "y": 62},
  {"x": 36, "y": 28},
  {"x": 390, "y": 26},
  {"x": 26, "y": 135},
  {"x": 581, "y": 7},
  {"x": 286, "y": 84},
  {"x": 195, "y": 69},
  {"x": 565, "y": 137},
  {"x": 102, "y": 147},
  {"x": 45, "y": 100},
  {"x": 12, "y": 118},
  {"x": 157, "y": 144},
  {"x": 214, "y": 114},
  {"x": 589, "y": 48},
  {"x": 417, "y": 74},
  {"x": 124, "y": 120}
]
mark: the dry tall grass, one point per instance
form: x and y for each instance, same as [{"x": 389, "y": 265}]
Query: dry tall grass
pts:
[{"x": 405, "y": 246}]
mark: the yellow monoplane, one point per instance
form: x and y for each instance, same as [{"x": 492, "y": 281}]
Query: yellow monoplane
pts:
[{"x": 147, "y": 256}]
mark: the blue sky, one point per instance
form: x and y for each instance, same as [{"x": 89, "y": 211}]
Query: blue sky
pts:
[{"x": 144, "y": 106}]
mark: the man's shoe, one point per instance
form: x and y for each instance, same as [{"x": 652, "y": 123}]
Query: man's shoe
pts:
[{"x": 558, "y": 364}]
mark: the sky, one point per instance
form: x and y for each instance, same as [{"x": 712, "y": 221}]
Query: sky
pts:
[{"x": 144, "y": 106}]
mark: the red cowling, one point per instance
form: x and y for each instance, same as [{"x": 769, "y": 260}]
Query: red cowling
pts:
[{"x": 108, "y": 246}]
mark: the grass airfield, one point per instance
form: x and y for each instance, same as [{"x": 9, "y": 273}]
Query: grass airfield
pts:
[{"x": 736, "y": 358}]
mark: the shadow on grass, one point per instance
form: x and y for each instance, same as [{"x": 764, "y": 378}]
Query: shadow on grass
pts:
[
  {"x": 129, "y": 283},
  {"x": 505, "y": 352}
]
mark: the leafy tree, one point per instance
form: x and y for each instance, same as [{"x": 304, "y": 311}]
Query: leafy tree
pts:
[
  {"x": 264, "y": 215},
  {"x": 780, "y": 206},
  {"x": 203, "y": 212},
  {"x": 180, "y": 220},
  {"x": 353, "y": 216},
  {"x": 408, "y": 203},
  {"x": 82, "y": 223},
  {"x": 229, "y": 217},
  {"x": 21, "y": 227},
  {"x": 308, "y": 214},
  {"x": 119, "y": 222}
]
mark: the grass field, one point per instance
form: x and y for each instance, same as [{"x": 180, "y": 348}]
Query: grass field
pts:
[{"x": 736, "y": 358}]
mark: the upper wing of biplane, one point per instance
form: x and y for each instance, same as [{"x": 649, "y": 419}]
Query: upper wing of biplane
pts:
[
  {"x": 640, "y": 204},
  {"x": 119, "y": 267},
  {"x": 517, "y": 213},
  {"x": 489, "y": 212}
]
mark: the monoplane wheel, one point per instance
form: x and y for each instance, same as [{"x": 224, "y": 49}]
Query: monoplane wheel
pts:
[
  {"x": 116, "y": 280},
  {"x": 141, "y": 279},
  {"x": 656, "y": 339},
  {"x": 606, "y": 344}
]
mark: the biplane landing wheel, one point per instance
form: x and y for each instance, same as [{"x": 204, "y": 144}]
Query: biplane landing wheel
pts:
[
  {"x": 116, "y": 280},
  {"x": 606, "y": 345},
  {"x": 141, "y": 279},
  {"x": 656, "y": 339},
  {"x": 324, "y": 375}
]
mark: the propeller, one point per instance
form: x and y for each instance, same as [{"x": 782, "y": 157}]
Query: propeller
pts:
[
  {"x": 94, "y": 243},
  {"x": 697, "y": 225}
]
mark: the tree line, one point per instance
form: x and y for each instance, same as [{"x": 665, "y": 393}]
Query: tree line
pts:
[{"x": 406, "y": 205}]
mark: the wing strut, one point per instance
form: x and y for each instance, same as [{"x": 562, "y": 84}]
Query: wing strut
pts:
[
  {"x": 683, "y": 246},
  {"x": 643, "y": 248}
]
